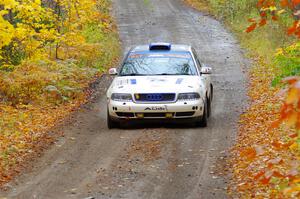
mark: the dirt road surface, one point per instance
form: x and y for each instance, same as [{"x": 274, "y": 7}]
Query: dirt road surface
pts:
[{"x": 158, "y": 161}]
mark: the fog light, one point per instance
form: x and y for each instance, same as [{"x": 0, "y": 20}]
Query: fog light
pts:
[
  {"x": 140, "y": 115},
  {"x": 169, "y": 115}
]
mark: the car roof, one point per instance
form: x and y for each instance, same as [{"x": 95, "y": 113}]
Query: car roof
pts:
[{"x": 173, "y": 47}]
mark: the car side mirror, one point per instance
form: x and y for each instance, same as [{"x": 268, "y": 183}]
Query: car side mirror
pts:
[
  {"x": 112, "y": 71},
  {"x": 206, "y": 70}
]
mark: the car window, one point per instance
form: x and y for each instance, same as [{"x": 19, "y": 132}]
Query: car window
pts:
[
  {"x": 159, "y": 63},
  {"x": 197, "y": 59}
]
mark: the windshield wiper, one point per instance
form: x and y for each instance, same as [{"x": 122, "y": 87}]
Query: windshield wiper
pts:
[
  {"x": 133, "y": 74},
  {"x": 172, "y": 74},
  {"x": 165, "y": 74}
]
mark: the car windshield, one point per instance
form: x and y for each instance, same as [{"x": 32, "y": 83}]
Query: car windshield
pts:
[{"x": 158, "y": 63}]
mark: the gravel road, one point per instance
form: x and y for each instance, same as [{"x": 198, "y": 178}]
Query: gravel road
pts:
[{"x": 157, "y": 161}]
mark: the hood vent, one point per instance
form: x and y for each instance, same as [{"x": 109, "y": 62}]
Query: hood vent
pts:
[{"x": 160, "y": 46}]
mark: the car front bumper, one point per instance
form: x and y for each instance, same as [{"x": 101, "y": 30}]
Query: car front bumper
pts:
[{"x": 177, "y": 110}]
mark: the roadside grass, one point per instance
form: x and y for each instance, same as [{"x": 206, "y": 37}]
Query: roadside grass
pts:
[
  {"x": 147, "y": 2},
  {"x": 38, "y": 93},
  {"x": 202, "y": 5},
  {"x": 265, "y": 160}
]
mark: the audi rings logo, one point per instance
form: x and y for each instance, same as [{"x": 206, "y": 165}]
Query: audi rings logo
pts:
[{"x": 154, "y": 97}]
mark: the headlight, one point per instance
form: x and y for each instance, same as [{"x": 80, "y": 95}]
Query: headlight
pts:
[
  {"x": 188, "y": 96},
  {"x": 123, "y": 97}
]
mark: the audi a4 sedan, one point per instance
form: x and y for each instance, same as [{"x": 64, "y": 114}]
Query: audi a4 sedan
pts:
[{"x": 162, "y": 82}]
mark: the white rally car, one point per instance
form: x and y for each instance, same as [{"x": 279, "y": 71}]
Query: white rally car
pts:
[{"x": 160, "y": 81}]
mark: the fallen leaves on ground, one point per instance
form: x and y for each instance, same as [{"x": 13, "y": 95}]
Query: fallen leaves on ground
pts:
[
  {"x": 199, "y": 4},
  {"x": 46, "y": 87},
  {"x": 23, "y": 128},
  {"x": 148, "y": 147},
  {"x": 265, "y": 160}
]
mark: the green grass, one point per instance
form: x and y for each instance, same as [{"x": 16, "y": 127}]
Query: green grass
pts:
[
  {"x": 287, "y": 62},
  {"x": 147, "y": 2}
]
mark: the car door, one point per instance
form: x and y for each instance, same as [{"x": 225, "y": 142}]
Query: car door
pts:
[{"x": 204, "y": 77}]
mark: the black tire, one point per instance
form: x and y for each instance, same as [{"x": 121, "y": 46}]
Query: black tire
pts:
[
  {"x": 211, "y": 93},
  {"x": 210, "y": 99},
  {"x": 110, "y": 123},
  {"x": 204, "y": 119},
  {"x": 209, "y": 107}
]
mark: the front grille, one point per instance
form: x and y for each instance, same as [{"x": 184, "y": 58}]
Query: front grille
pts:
[
  {"x": 155, "y": 115},
  {"x": 154, "y": 97},
  {"x": 185, "y": 114},
  {"x": 124, "y": 114}
]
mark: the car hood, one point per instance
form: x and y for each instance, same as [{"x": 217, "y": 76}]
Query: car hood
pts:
[{"x": 155, "y": 84}]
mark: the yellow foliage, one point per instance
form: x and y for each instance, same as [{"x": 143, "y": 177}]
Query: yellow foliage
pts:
[
  {"x": 48, "y": 57},
  {"x": 36, "y": 28},
  {"x": 6, "y": 30}
]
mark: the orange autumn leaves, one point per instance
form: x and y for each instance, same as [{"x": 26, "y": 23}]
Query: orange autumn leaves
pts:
[
  {"x": 269, "y": 9},
  {"x": 289, "y": 112},
  {"x": 269, "y": 170},
  {"x": 264, "y": 161}
]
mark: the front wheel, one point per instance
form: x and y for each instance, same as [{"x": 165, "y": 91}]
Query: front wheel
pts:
[
  {"x": 203, "y": 121},
  {"x": 209, "y": 102},
  {"x": 110, "y": 123}
]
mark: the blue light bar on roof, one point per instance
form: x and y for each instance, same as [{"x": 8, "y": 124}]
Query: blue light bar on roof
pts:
[{"x": 160, "y": 46}]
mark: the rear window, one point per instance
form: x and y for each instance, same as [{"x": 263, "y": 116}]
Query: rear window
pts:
[{"x": 159, "y": 63}]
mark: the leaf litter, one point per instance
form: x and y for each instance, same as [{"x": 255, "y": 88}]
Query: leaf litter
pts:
[{"x": 264, "y": 161}]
